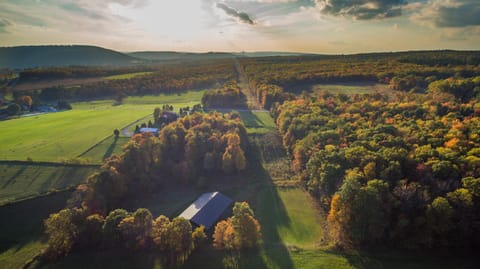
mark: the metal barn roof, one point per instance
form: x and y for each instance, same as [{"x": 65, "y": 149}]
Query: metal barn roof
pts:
[{"x": 207, "y": 209}]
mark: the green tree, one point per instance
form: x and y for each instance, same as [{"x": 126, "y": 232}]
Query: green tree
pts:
[
  {"x": 160, "y": 232},
  {"x": 110, "y": 229},
  {"x": 136, "y": 229},
  {"x": 63, "y": 229},
  {"x": 13, "y": 109},
  {"x": 199, "y": 236},
  {"x": 179, "y": 238},
  {"x": 246, "y": 229},
  {"x": 91, "y": 236},
  {"x": 439, "y": 218}
]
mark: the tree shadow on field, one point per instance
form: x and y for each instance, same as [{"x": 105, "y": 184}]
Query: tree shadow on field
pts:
[
  {"x": 391, "y": 259},
  {"x": 251, "y": 120},
  {"x": 271, "y": 213},
  {"x": 110, "y": 149}
]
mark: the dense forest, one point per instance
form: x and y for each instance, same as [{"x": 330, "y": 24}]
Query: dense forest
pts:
[
  {"x": 162, "y": 79},
  {"x": 401, "y": 171},
  {"x": 273, "y": 78}
]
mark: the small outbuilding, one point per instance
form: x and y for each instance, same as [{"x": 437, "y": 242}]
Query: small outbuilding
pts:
[
  {"x": 207, "y": 210},
  {"x": 154, "y": 131}
]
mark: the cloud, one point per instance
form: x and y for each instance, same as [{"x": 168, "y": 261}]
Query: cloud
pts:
[
  {"x": 449, "y": 13},
  {"x": 4, "y": 23},
  {"x": 362, "y": 9},
  {"x": 242, "y": 16}
]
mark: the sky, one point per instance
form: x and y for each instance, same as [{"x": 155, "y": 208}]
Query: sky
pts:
[{"x": 318, "y": 26}]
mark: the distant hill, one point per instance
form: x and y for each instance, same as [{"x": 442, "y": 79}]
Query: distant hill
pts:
[
  {"x": 175, "y": 56},
  {"x": 271, "y": 54},
  {"x": 35, "y": 56}
]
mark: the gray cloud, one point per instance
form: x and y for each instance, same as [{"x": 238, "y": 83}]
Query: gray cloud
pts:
[
  {"x": 4, "y": 23},
  {"x": 460, "y": 14},
  {"x": 362, "y": 9},
  {"x": 242, "y": 16}
]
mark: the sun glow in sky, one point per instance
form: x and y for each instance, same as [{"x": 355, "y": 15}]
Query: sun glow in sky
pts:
[{"x": 322, "y": 26}]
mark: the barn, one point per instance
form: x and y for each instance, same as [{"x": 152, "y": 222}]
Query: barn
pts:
[{"x": 207, "y": 210}]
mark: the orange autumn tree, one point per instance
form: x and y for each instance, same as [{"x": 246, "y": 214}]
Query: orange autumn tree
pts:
[{"x": 241, "y": 231}]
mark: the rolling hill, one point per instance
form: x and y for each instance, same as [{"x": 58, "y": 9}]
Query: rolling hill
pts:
[
  {"x": 79, "y": 55},
  {"x": 157, "y": 56}
]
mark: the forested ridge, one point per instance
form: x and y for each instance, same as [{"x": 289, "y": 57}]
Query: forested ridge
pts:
[{"x": 33, "y": 56}]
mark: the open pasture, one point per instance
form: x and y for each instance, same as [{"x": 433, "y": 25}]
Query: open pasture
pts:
[
  {"x": 67, "y": 134},
  {"x": 21, "y": 181},
  {"x": 64, "y": 135},
  {"x": 349, "y": 88},
  {"x": 127, "y": 75},
  {"x": 257, "y": 122}
]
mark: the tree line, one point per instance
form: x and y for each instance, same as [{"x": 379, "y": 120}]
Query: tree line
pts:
[
  {"x": 229, "y": 96},
  {"x": 402, "y": 171},
  {"x": 164, "y": 79}
]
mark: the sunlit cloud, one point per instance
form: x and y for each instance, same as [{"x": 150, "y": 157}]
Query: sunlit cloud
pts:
[{"x": 325, "y": 26}]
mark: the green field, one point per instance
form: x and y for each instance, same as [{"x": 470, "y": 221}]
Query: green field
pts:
[
  {"x": 21, "y": 181},
  {"x": 105, "y": 149},
  {"x": 127, "y": 76},
  {"x": 350, "y": 88},
  {"x": 21, "y": 228},
  {"x": 303, "y": 226},
  {"x": 257, "y": 122},
  {"x": 178, "y": 100},
  {"x": 68, "y": 134},
  {"x": 64, "y": 135}
]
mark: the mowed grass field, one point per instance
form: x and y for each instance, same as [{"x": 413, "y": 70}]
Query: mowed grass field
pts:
[
  {"x": 127, "y": 75},
  {"x": 104, "y": 149},
  {"x": 257, "y": 122},
  {"x": 21, "y": 228},
  {"x": 66, "y": 135},
  {"x": 350, "y": 88},
  {"x": 22, "y": 181}
]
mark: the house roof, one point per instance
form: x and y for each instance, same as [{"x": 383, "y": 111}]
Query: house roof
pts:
[{"x": 207, "y": 209}]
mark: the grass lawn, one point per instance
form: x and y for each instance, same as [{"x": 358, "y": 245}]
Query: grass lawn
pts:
[
  {"x": 303, "y": 225},
  {"x": 68, "y": 134},
  {"x": 105, "y": 149},
  {"x": 20, "y": 181},
  {"x": 21, "y": 228},
  {"x": 64, "y": 135},
  {"x": 127, "y": 76},
  {"x": 350, "y": 88},
  {"x": 257, "y": 122},
  {"x": 178, "y": 100}
]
